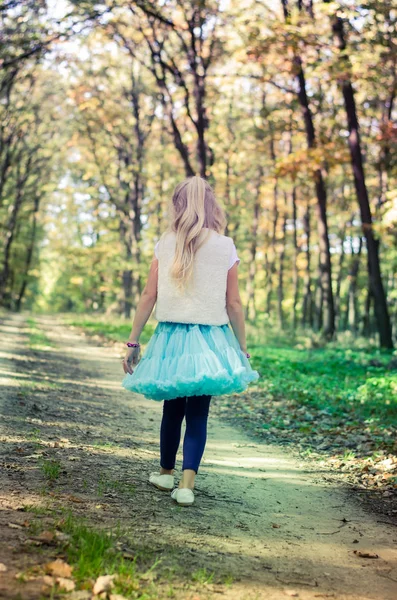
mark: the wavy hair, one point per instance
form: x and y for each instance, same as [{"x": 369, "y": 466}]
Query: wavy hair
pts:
[{"x": 193, "y": 207}]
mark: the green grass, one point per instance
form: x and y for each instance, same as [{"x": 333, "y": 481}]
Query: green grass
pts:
[
  {"x": 334, "y": 379},
  {"x": 37, "y": 338},
  {"x": 51, "y": 469},
  {"x": 202, "y": 576},
  {"x": 93, "y": 552}
]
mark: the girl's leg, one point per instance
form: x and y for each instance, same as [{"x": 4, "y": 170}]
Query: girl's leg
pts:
[
  {"x": 170, "y": 432},
  {"x": 197, "y": 408}
]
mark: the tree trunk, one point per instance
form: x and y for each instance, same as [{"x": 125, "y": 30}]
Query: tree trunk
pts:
[
  {"x": 272, "y": 261},
  {"x": 352, "y": 312},
  {"x": 374, "y": 271},
  {"x": 280, "y": 287},
  {"x": 318, "y": 302},
  {"x": 328, "y": 317},
  {"x": 307, "y": 308},
  {"x": 339, "y": 279},
  {"x": 250, "y": 307},
  {"x": 367, "y": 313},
  {"x": 11, "y": 226},
  {"x": 29, "y": 255},
  {"x": 327, "y": 303}
]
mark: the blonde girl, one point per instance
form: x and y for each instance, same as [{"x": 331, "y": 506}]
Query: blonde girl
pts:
[{"x": 193, "y": 353}]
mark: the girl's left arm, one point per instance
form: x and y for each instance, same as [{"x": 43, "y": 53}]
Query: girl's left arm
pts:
[{"x": 143, "y": 311}]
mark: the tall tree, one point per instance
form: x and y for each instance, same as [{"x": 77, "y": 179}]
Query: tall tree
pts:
[{"x": 372, "y": 242}]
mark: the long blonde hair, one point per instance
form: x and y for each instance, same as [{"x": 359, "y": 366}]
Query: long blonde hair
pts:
[{"x": 193, "y": 207}]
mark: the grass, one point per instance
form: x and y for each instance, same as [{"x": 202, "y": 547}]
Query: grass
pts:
[
  {"x": 333, "y": 379},
  {"x": 51, "y": 469},
  {"x": 37, "y": 338},
  {"x": 93, "y": 552},
  {"x": 202, "y": 576}
]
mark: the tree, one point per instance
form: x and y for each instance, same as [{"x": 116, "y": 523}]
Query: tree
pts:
[{"x": 372, "y": 243}]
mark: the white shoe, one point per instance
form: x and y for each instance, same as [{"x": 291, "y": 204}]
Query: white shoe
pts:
[
  {"x": 184, "y": 496},
  {"x": 162, "y": 482}
]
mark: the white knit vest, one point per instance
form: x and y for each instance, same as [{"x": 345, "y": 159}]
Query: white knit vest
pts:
[{"x": 204, "y": 300}]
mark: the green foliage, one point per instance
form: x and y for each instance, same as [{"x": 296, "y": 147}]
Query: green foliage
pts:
[
  {"x": 339, "y": 381},
  {"x": 89, "y": 156}
]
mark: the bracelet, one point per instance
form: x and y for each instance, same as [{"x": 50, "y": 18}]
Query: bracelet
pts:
[{"x": 131, "y": 345}]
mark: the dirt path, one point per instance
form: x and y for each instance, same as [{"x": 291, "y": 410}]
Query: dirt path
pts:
[{"x": 267, "y": 525}]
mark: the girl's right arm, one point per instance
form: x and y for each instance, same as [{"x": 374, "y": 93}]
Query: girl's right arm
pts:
[{"x": 234, "y": 307}]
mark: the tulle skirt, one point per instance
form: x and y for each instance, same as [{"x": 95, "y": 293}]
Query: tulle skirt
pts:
[{"x": 190, "y": 360}]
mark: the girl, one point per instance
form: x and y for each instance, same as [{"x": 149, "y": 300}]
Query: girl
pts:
[{"x": 193, "y": 354}]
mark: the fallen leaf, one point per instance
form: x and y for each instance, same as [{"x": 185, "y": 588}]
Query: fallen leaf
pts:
[
  {"x": 275, "y": 526},
  {"x": 66, "y": 584},
  {"x": 75, "y": 499},
  {"x": 366, "y": 554},
  {"x": 104, "y": 583},
  {"x": 59, "y": 568},
  {"x": 15, "y": 526},
  {"x": 46, "y": 537},
  {"x": 48, "y": 580},
  {"x": 3, "y": 568}
]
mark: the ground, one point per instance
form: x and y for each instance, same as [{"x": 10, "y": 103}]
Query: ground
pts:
[{"x": 76, "y": 448}]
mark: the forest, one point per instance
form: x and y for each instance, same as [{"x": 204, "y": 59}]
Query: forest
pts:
[{"x": 288, "y": 109}]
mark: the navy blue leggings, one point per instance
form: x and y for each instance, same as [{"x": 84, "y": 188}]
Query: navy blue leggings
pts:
[{"x": 195, "y": 409}]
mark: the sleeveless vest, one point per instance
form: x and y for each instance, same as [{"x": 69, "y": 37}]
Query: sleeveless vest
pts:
[{"x": 203, "y": 301}]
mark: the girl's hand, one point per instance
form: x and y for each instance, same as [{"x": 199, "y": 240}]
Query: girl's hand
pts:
[{"x": 132, "y": 357}]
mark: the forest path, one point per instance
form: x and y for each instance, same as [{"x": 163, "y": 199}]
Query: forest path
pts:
[{"x": 266, "y": 524}]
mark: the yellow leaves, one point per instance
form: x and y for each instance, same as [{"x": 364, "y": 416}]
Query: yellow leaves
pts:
[
  {"x": 59, "y": 568},
  {"x": 309, "y": 160},
  {"x": 104, "y": 583},
  {"x": 76, "y": 280}
]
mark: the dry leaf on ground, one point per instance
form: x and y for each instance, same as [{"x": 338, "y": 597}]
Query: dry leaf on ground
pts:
[
  {"x": 59, "y": 568},
  {"x": 104, "y": 583},
  {"x": 46, "y": 537},
  {"x": 66, "y": 584},
  {"x": 3, "y": 568},
  {"x": 75, "y": 499}
]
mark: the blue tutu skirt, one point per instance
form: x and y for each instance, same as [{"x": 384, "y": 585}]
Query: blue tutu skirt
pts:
[{"x": 190, "y": 360}]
